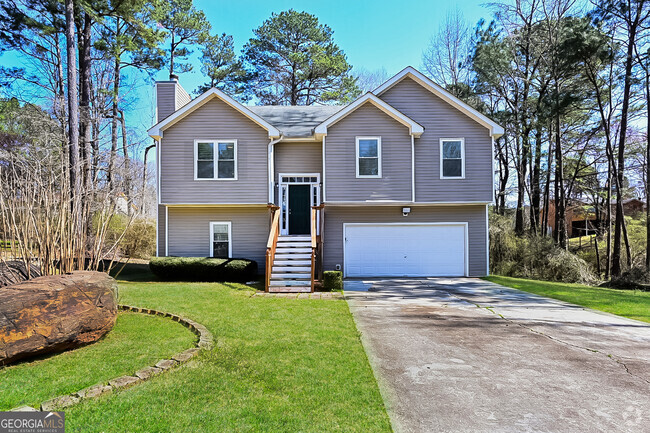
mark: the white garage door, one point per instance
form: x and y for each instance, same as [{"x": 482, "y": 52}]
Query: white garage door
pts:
[{"x": 415, "y": 250}]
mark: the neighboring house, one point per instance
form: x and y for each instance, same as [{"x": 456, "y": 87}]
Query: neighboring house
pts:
[
  {"x": 581, "y": 219},
  {"x": 396, "y": 183},
  {"x": 631, "y": 206}
]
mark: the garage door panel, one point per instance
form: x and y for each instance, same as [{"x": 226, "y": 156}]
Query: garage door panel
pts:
[{"x": 405, "y": 250}]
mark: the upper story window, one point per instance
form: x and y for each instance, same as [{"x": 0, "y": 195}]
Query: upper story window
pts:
[
  {"x": 215, "y": 159},
  {"x": 452, "y": 158},
  {"x": 368, "y": 156}
]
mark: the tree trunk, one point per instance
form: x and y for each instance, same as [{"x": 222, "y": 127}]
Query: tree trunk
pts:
[
  {"x": 620, "y": 168},
  {"x": 535, "y": 189},
  {"x": 560, "y": 201},
  {"x": 85, "y": 132},
  {"x": 114, "y": 122},
  {"x": 547, "y": 188},
  {"x": 127, "y": 163},
  {"x": 647, "y": 170},
  {"x": 608, "y": 263},
  {"x": 521, "y": 185},
  {"x": 73, "y": 102}
]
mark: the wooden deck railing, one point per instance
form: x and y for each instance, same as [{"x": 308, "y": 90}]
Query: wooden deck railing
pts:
[{"x": 271, "y": 245}]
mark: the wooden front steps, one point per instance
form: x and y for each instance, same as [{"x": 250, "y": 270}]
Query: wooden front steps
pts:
[{"x": 291, "y": 269}]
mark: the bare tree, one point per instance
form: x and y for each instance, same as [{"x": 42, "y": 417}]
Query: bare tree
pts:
[
  {"x": 369, "y": 80},
  {"x": 445, "y": 59}
]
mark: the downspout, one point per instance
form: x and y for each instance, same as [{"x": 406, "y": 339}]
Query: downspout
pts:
[
  {"x": 271, "y": 166},
  {"x": 412, "y": 168},
  {"x": 324, "y": 197}
]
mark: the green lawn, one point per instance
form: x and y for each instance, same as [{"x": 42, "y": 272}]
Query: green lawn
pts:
[
  {"x": 634, "y": 304},
  {"x": 137, "y": 340},
  {"x": 279, "y": 365}
]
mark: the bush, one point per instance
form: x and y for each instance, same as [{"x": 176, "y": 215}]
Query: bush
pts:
[
  {"x": 203, "y": 269},
  {"x": 535, "y": 257},
  {"x": 636, "y": 278},
  {"x": 139, "y": 241},
  {"x": 332, "y": 281}
]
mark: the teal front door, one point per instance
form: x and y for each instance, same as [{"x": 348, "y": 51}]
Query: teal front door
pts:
[{"x": 299, "y": 209}]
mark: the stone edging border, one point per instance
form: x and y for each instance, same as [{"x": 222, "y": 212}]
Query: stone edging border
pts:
[{"x": 206, "y": 341}]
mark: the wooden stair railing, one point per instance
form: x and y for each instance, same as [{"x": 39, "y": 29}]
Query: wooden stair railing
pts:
[
  {"x": 316, "y": 244},
  {"x": 271, "y": 245}
]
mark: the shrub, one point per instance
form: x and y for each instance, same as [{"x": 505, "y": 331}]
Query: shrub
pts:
[
  {"x": 534, "y": 257},
  {"x": 139, "y": 239},
  {"x": 203, "y": 269},
  {"x": 332, "y": 281},
  {"x": 635, "y": 278}
]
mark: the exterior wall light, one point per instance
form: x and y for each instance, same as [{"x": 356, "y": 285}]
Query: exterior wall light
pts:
[{"x": 406, "y": 211}]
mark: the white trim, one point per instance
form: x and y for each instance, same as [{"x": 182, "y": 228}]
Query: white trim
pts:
[
  {"x": 404, "y": 202},
  {"x": 495, "y": 129},
  {"x": 271, "y": 168},
  {"x": 487, "y": 241},
  {"x": 156, "y": 131},
  {"x": 464, "y": 224},
  {"x": 462, "y": 156},
  {"x": 158, "y": 165},
  {"x": 166, "y": 231},
  {"x": 324, "y": 198},
  {"x": 368, "y": 176},
  {"x": 216, "y": 204},
  {"x": 414, "y": 127},
  {"x": 412, "y": 168},
  {"x": 215, "y": 158},
  {"x": 229, "y": 224},
  {"x": 284, "y": 213}
]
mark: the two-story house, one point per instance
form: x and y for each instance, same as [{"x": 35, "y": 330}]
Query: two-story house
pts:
[{"x": 397, "y": 183}]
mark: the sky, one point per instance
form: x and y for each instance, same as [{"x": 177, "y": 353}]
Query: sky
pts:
[{"x": 375, "y": 35}]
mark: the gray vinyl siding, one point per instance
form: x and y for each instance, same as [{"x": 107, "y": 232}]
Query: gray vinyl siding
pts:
[
  {"x": 340, "y": 158},
  {"x": 474, "y": 215},
  {"x": 304, "y": 157},
  {"x": 441, "y": 120},
  {"x": 161, "y": 231},
  {"x": 170, "y": 96},
  {"x": 214, "y": 120},
  {"x": 165, "y": 99},
  {"x": 189, "y": 231}
]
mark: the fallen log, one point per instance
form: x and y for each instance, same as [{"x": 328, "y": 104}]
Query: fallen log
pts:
[
  {"x": 55, "y": 313},
  {"x": 15, "y": 271}
]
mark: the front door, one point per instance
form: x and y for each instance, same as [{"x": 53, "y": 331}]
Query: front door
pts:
[{"x": 299, "y": 209}]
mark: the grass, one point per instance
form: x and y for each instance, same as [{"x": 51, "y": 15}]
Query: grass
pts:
[
  {"x": 279, "y": 365},
  {"x": 136, "y": 341},
  {"x": 634, "y": 304}
]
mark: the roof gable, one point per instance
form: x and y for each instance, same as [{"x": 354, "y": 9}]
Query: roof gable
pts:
[
  {"x": 495, "y": 129},
  {"x": 156, "y": 131},
  {"x": 415, "y": 128}
]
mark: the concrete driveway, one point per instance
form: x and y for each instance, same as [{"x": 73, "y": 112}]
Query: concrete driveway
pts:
[{"x": 465, "y": 355}]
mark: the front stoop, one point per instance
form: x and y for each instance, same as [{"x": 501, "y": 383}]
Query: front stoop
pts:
[{"x": 291, "y": 272}]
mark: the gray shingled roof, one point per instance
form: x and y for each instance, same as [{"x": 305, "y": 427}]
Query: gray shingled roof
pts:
[{"x": 295, "y": 120}]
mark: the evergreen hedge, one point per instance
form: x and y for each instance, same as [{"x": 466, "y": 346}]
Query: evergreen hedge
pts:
[{"x": 207, "y": 269}]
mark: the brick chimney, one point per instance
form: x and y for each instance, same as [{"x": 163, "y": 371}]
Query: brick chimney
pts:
[{"x": 170, "y": 96}]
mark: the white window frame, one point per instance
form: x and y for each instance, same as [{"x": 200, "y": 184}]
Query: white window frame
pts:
[
  {"x": 215, "y": 155},
  {"x": 362, "y": 176},
  {"x": 229, "y": 224},
  {"x": 462, "y": 156}
]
